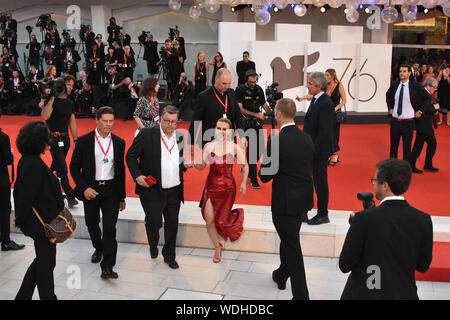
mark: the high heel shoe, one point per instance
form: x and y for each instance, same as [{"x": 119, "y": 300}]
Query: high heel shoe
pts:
[{"x": 218, "y": 259}]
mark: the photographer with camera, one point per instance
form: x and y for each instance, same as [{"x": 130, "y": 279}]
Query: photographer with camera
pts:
[
  {"x": 392, "y": 240},
  {"x": 182, "y": 51},
  {"x": 32, "y": 91},
  {"x": 34, "y": 49},
  {"x": 8, "y": 23},
  {"x": 53, "y": 40},
  {"x": 424, "y": 129},
  {"x": 184, "y": 93},
  {"x": 95, "y": 59},
  {"x": 53, "y": 58},
  {"x": 87, "y": 36},
  {"x": 150, "y": 53},
  {"x": 45, "y": 22},
  {"x": 68, "y": 40},
  {"x": 8, "y": 63},
  {"x": 59, "y": 116},
  {"x": 127, "y": 63},
  {"x": 9, "y": 42},
  {"x": 113, "y": 31},
  {"x": 88, "y": 99},
  {"x": 171, "y": 66},
  {"x": 71, "y": 59},
  {"x": 250, "y": 97},
  {"x": 15, "y": 87}
]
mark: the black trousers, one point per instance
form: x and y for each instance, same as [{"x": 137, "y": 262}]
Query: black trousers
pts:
[
  {"x": 320, "y": 177},
  {"x": 254, "y": 152},
  {"x": 405, "y": 130},
  {"x": 5, "y": 214},
  {"x": 40, "y": 272},
  {"x": 422, "y": 136},
  {"x": 335, "y": 136},
  {"x": 108, "y": 201},
  {"x": 169, "y": 207},
  {"x": 59, "y": 164},
  {"x": 291, "y": 256}
]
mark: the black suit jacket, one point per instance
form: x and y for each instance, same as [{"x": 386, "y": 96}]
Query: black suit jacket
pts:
[
  {"x": 209, "y": 113},
  {"x": 292, "y": 187},
  {"x": 425, "y": 122},
  {"x": 36, "y": 186},
  {"x": 319, "y": 123},
  {"x": 417, "y": 95},
  {"x": 144, "y": 158},
  {"x": 395, "y": 237},
  {"x": 82, "y": 165},
  {"x": 6, "y": 159}
]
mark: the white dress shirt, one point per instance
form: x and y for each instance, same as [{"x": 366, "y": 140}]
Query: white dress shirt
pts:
[
  {"x": 392, "y": 198},
  {"x": 407, "y": 108},
  {"x": 170, "y": 170},
  {"x": 103, "y": 170},
  {"x": 317, "y": 96}
]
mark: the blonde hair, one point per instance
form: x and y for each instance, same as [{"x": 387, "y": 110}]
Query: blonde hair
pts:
[
  {"x": 226, "y": 121},
  {"x": 48, "y": 71},
  {"x": 332, "y": 73}
]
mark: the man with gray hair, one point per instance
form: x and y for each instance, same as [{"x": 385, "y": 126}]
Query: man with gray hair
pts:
[
  {"x": 318, "y": 124},
  {"x": 424, "y": 130}
]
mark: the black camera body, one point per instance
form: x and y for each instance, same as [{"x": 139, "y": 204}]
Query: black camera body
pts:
[
  {"x": 172, "y": 32},
  {"x": 272, "y": 95},
  {"x": 29, "y": 29},
  {"x": 43, "y": 20},
  {"x": 57, "y": 87}
]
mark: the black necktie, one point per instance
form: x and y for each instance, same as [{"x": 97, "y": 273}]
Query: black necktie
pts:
[{"x": 400, "y": 101}]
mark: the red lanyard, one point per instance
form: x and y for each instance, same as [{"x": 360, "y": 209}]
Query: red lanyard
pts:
[
  {"x": 165, "y": 144},
  {"x": 125, "y": 58},
  {"x": 226, "y": 100},
  {"x": 201, "y": 66},
  {"x": 153, "y": 105},
  {"x": 101, "y": 147}
]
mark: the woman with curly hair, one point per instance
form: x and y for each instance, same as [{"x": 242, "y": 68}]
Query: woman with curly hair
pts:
[{"x": 37, "y": 187}]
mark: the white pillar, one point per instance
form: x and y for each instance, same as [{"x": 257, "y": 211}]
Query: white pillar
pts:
[{"x": 100, "y": 20}]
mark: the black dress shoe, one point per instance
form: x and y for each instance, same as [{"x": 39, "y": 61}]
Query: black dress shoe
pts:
[
  {"x": 97, "y": 256},
  {"x": 154, "y": 252},
  {"x": 108, "y": 273},
  {"x": 415, "y": 170},
  {"x": 172, "y": 263},
  {"x": 280, "y": 282},
  {"x": 430, "y": 168},
  {"x": 255, "y": 185},
  {"x": 11, "y": 245},
  {"x": 72, "y": 203},
  {"x": 318, "y": 220}
]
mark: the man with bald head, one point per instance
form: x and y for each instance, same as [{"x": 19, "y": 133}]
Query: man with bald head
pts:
[{"x": 218, "y": 101}]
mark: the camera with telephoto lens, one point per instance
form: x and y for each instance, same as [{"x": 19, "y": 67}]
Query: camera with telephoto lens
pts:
[
  {"x": 65, "y": 34},
  {"x": 273, "y": 95},
  {"x": 367, "y": 201},
  {"x": 82, "y": 32},
  {"x": 42, "y": 21},
  {"x": 172, "y": 32},
  {"x": 143, "y": 37},
  {"x": 48, "y": 88}
]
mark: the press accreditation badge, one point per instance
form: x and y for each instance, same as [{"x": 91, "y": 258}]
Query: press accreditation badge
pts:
[
  {"x": 60, "y": 144},
  {"x": 156, "y": 119},
  {"x": 125, "y": 65},
  {"x": 225, "y": 115}
]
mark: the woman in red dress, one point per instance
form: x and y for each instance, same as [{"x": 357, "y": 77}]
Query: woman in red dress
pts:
[{"x": 220, "y": 189}]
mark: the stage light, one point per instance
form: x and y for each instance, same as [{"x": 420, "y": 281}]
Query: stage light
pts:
[
  {"x": 323, "y": 9},
  {"x": 425, "y": 11},
  {"x": 174, "y": 5},
  {"x": 367, "y": 10},
  {"x": 292, "y": 5},
  {"x": 361, "y": 6},
  {"x": 346, "y": 11},
  {"x": 275, "y": 9},
  {"x": 232, "y": 9}
]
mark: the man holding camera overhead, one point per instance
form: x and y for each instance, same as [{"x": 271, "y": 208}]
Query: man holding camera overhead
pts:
[
  {"x": 386, "y": 244},
  {"x": 150, "y": 52},
  {"x": 58, "y": 113},
  {"x": 251, "y": 98}
]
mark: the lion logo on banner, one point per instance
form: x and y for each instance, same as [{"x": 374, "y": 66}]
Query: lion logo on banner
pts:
[{"x": 293, "y": 77}]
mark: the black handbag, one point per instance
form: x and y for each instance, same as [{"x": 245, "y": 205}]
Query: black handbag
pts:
[
  {"x": 61, "y": 228},
  {"x": 341, "y": 116}
]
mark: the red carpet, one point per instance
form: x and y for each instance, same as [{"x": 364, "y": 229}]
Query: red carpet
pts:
[
  {"x": 362, "y": 147},
  {"x": 440, "y": 266}
]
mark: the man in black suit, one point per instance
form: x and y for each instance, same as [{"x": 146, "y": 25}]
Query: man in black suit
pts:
[
  {"x": 6, "y": 159},
  {"x": 385, "y": 245},
  {"x": 425, "y": 131},
  {"x": 288, "y": 160},
  {"x": 415, "y": 73},
  {"x": 150, "y": 53},
  {"x": 70, "y": 59},
  {"x": 405, "y": 100},
  {"x": 319, "y": 124},
  {"x": 155, "y": 155},
  {"x": 218, "y": 101},
  {"x": 98, "y": 169}
]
